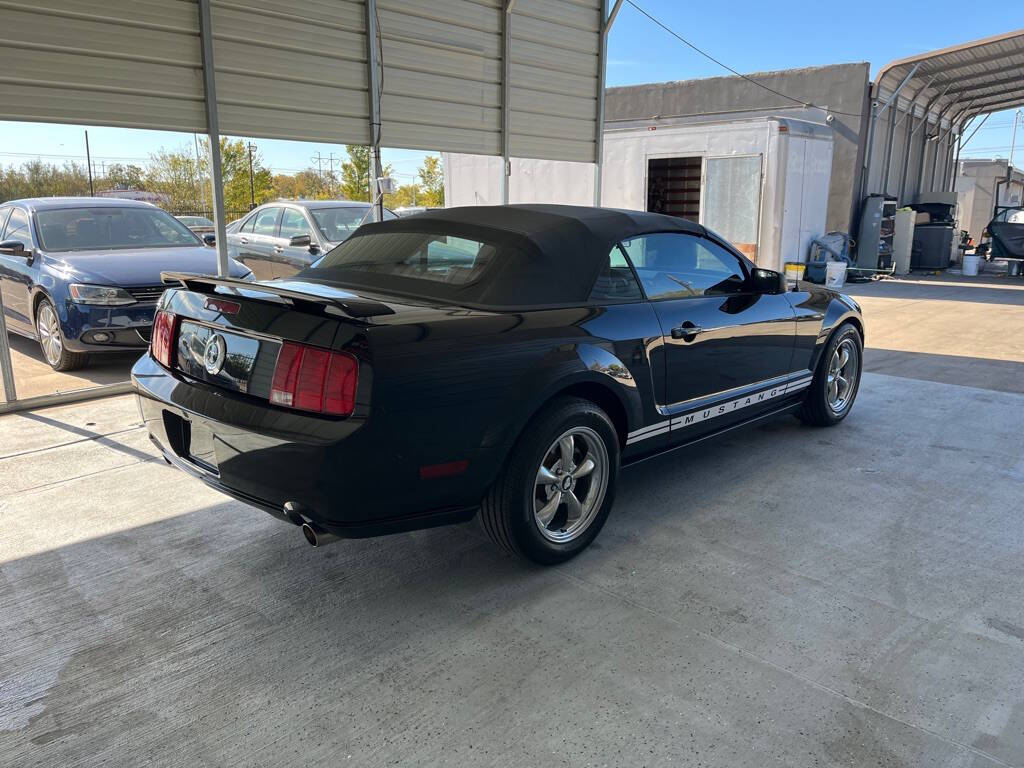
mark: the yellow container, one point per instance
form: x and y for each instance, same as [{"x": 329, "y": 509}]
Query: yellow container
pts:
[{"x": 794, "y": 272}]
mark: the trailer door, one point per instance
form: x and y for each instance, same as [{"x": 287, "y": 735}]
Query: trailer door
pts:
[{"x": 732, "y": 200}]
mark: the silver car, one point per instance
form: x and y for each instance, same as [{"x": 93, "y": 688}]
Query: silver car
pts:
[{"x": 281, "y": 238}]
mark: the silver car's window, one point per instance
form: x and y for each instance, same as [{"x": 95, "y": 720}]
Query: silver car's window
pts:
[
  {"x": 293, "y": 223},
  {"x": 336, "y": 224},
  {"x": 266, "y": 221}
]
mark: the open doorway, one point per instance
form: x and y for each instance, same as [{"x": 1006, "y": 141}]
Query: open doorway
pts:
[{"x": 673, "y": 186}]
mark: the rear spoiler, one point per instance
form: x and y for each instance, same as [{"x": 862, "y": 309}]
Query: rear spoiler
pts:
[{"x": 353, "y": 307}]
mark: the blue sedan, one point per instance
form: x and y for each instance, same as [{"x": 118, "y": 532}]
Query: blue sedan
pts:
[{"x": 82, "y": 275}]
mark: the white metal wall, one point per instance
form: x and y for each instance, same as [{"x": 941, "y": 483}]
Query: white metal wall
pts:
[
  {"x": 298, "y": 69},
  {"x": 292, "y": 70},
  {"x": 134, "y": 64},
  {"x": 554, "y": 59}
]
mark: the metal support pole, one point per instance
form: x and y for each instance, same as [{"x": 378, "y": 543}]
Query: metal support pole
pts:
[
  {"x": 939, "y": 138},
  {"x": 906, "y": 154},
  {"x": 876, "y": 113},
  {"x": 213, "y": 135},
  {"x": 924, "y": 136},
  {"x": 88, "y": 164},
  {"x": 607, "y": 19},
  {"x": 506, "y": 99},
  {"x": 956, "y": 163},
  {"x": 6, "y": 368},
  {"x": 373, "y": 79},
  {"x": 888, "y": 152}
]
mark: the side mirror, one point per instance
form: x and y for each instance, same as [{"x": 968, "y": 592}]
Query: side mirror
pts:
[
  {"x": 14, "y": 248},
  {"x": 767, "y": 281},
  {"x": 210, "y": 238},
  {"x": 300, "y": 241}
]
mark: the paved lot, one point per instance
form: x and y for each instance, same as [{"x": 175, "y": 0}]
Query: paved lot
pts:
[
  {"x": 784, "y": 597},
  {"x": 33, "y": 376}
]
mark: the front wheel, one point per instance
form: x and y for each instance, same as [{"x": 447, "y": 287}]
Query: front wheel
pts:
[
  {"x": 837, "y": 379},
  {"x": 51, "y": 340},
  {"x": 557, "y": 488}
]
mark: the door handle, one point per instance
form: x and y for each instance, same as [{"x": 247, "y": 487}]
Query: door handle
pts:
[
  {"x": 278, "y": 249},
  {"x": 243, "y": 240},
  {"x": 687, "y": 331}
]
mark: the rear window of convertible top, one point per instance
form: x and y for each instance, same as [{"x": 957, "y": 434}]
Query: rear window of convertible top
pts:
[{"x": 418, "y": 263}]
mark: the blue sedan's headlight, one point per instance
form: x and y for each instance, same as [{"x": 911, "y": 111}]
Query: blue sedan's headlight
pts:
[{"x": 106, "y": 295}]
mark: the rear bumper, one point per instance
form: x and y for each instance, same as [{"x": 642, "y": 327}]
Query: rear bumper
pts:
[{"x": 332, "y": 471}]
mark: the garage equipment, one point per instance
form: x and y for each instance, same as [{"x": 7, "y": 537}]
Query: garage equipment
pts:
[
  {"x": 934, "y": 240},
  {"x": 834, "y": 246},
  {"x": 874, "y": 238}
]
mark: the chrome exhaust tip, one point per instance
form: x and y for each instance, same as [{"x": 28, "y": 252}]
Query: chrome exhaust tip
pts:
[{"x": 316, "y": 536}]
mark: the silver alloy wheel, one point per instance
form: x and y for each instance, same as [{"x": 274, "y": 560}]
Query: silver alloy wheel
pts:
[
  {"x": 49, "y": 334},
  {"x": 842, "y": 375},
  {"x": 570, "y": 485}
]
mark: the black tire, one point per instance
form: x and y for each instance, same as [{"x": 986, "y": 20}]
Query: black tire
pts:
[
  {"x": 51, "y": 340},
  {"x": 507, "y": 512},
  {"x": 816, "y": 408}
]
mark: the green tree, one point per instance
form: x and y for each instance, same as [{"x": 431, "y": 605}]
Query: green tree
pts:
[
  {"x": 38, "y": 179},
  {"x": 432, "y": 176},
  {"x": 182, "y": 180},
  {"x": 234, "y": 158},
  {"x": 354, "y": 178},
  {"x": 122, "y": 177},
  {"x": 405, "y": 195}
]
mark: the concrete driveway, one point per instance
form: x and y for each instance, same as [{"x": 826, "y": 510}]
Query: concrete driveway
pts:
[{"x": 786, "y": 596}]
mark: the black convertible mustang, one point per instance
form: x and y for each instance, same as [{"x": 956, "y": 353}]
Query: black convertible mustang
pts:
[{"x": 500, "y": 360}]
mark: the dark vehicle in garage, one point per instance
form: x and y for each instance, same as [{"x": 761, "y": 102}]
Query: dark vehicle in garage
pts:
[
  {"x": 82, "y": 274},
  {"x": 1005, "y": 235},
  {"x": 500, "y": 360},
  {"x": 281, "y": 238}
]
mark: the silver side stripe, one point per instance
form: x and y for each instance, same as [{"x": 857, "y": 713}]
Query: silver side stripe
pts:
[{"x": 720, "y": 409}]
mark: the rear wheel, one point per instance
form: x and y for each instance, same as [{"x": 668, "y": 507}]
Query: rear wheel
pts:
[
  {"x": 51, "y": 340},
  {"x": 837, "y": 379},
  {"x": 556, "y": 490}
]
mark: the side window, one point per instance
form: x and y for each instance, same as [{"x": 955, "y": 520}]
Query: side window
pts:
[
  {"x": 678, "y": 266},
  {"x": 18, "y": 228},
  {"x": 3, "y": 220},
  {"x": 293, "y": 223},
  {"x": 265, "y": 222},
  {"x": 616, "y": 281},
  {"x": 246, "y": 226}
]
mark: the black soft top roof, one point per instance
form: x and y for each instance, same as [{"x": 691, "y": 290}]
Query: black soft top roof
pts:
[{"x": 550, "y": 254}]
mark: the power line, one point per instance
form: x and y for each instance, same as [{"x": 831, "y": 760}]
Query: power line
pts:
[{"x": 725, "y": 66}]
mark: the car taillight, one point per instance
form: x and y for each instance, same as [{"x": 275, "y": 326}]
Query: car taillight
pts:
[
  {"x": 161, "y": 342},
  {"x": 313, "y": 379}
]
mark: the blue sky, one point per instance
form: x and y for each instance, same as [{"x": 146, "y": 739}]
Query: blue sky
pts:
[{"x": 748, "y": 36}]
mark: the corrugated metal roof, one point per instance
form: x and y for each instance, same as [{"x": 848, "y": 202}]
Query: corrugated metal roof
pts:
[{"x": 961, "y": 81}]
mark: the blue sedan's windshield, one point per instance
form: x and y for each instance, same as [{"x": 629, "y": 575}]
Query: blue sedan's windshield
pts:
[{"x": 107, "y": 227}]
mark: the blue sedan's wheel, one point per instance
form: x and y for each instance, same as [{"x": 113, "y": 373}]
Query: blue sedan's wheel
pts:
[{"x": 51, "y": 340}]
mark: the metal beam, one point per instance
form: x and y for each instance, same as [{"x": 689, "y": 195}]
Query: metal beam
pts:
[
  {"x": 6, "y": 368},
  {"x": 506, "y": 98},
  {"x": 374, "y": 92},
  {"x": 875, "y": 114},
  {"x": 607, "y": 19},
  {"x": 63, "y": 398},
  {"x": 213, "y": 135}
]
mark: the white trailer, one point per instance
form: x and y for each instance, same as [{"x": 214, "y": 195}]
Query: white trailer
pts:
[{"x": 762, "y": 183}]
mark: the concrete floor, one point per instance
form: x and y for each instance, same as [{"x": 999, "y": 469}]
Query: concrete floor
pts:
[
  {"x": 783, "y": 597},
  {"x": 33, "y": 376}
]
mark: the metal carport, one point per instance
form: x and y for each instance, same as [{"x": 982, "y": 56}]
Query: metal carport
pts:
[
  {"x": 922, "y": 104},
  {"x": 521, "y": 78}
]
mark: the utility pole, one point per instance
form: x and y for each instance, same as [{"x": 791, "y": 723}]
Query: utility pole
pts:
[
  {"x": 1013, "y": 141},
  {"x": 252, "y": 186},
  {"x": 331, "y": 158},
  {"x": 319, "y": 168},
  {"x": 88, "y": 162}
]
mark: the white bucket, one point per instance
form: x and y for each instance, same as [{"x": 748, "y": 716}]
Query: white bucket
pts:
[
  {"x": 835, "y": 274},
  {"x": 970, "y": 265}
]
